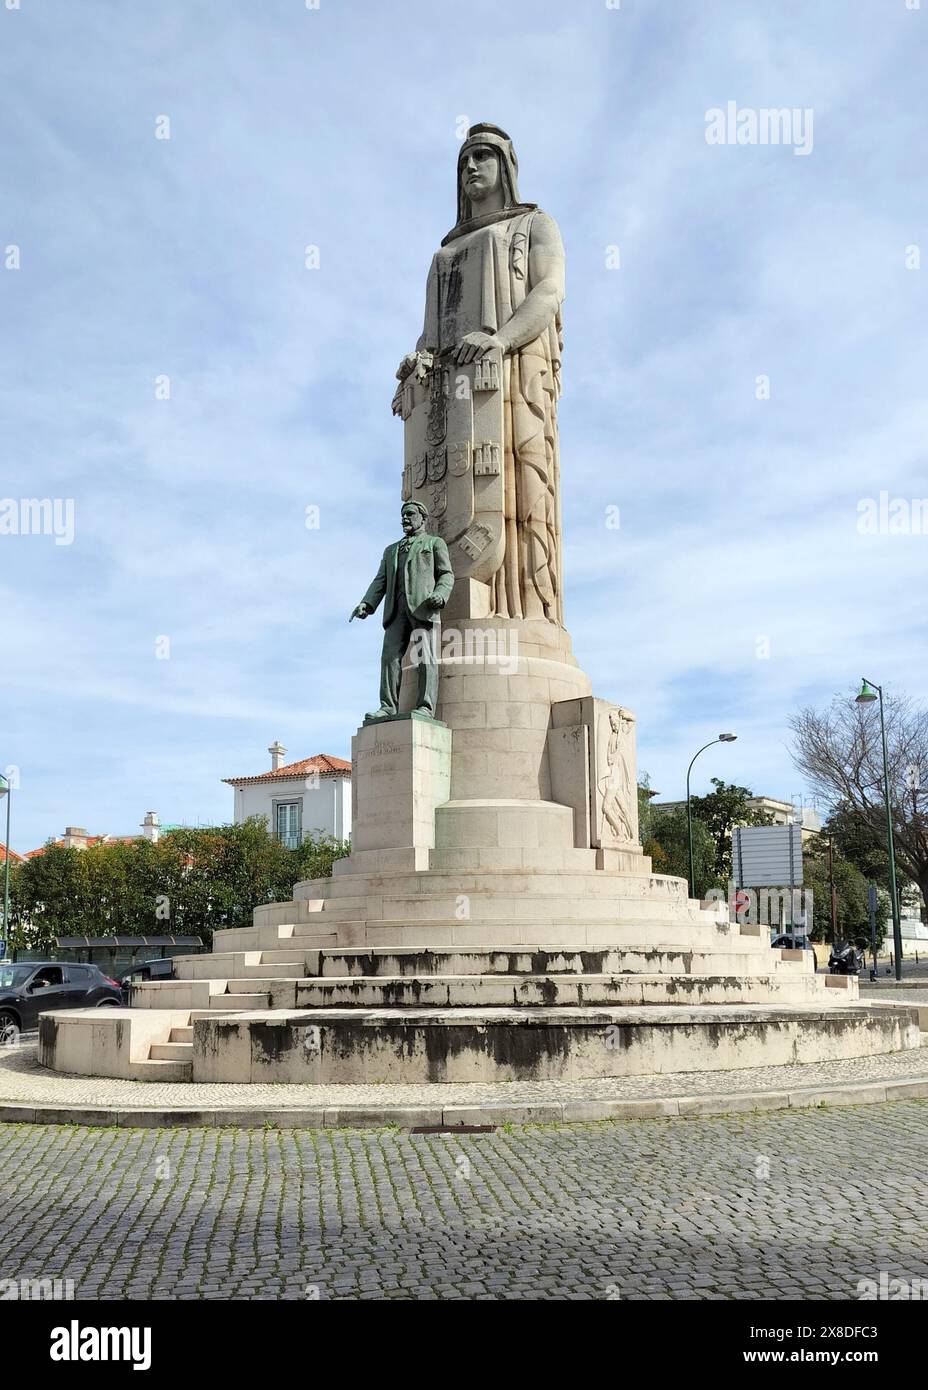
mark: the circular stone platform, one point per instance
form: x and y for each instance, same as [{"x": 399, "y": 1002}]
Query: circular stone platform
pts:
[
  {"x": 30, "y": 1093},
  {"x": 440, "y": 1046}
]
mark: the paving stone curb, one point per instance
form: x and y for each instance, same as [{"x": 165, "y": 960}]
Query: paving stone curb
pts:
[{"x": 458, "y": 1116}]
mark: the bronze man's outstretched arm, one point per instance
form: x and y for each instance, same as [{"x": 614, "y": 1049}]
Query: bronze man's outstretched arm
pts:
[{"x": 376, "y": 591}]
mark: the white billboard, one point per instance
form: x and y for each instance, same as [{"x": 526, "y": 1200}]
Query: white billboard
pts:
[{"x": 767, "y": 856}]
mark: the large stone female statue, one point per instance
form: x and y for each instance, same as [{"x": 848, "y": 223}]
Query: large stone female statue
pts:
[{"x": 479, "y": 394}]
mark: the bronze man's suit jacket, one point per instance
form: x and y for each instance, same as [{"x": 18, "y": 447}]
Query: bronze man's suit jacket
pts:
[{"x": 427, "y": 571}]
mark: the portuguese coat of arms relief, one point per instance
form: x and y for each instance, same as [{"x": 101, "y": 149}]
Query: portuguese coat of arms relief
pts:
[{"x": 454, "y": 459}]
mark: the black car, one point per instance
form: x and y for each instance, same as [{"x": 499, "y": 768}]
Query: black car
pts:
[
  {"x": 37, "y": 986},
  {"x": 144, "y": 970}
]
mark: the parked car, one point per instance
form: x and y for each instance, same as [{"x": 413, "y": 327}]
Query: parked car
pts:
[
  {"x": 35, "y": 987},
  {"x": 143, "y": 970}
]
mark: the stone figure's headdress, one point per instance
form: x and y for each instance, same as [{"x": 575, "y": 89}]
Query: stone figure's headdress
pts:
[{"x": 485, "y": 134}]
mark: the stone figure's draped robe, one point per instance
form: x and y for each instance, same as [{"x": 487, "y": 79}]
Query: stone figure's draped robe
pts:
[{"x": 477, "y": 281}]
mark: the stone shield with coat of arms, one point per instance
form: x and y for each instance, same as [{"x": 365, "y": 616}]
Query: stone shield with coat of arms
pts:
[{"x": 454, "y": 461}]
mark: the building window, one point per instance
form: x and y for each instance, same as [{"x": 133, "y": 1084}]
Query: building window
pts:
[{"x": 287, "y": 823}]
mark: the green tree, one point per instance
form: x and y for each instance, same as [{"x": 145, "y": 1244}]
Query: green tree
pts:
[
  {"x": 668, "y": 848},
  {"x": 721, "y": 810},
  {"x": 861, "y": 842},
  {"x": 52, "y": 897},
  {"x": 851, "y": 892},
  {"x": 644, "y": 808},
  {"x": 189, "y": 883},
  {"x": 16, "y": 916},
  {"x": 316, "y": 855}
]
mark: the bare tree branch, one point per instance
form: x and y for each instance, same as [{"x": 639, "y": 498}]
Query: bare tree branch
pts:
[{"x": 839, "y": 753}]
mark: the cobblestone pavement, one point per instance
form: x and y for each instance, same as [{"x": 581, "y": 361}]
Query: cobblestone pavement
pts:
[
  {"x": 24, "y": 1082},
  {"x": 764, "y": 1206}
]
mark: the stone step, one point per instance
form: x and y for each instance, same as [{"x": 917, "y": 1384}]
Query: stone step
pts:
[
  {"x": 736, "y": 957},
  {"x": 176, "y": 994},
  {"x": 274, "y": 931},
  {"x": 279, "y": 994},
  {"x": 505, "y": 859},
  {"x": 233, "y": 1002},
  {"x": 181, "y": 1035},
  {"x": 249, "y": 992},
  {"x": 795, "y": 967},
  {"x": 501, "y": 859},
  {"x": 225, "y": 965},
  {"x": 274, "y": 970},
  {"x": 551, "y": 883},
  {"x": 278, "y": 990},
  {"x": 171, "y": 1052},
  {"x": 669, "y": 927},
  {"x": 215, "y": 965},
  {"x": 286, "y": 954},
  {"x": 553, "y": 991},
  {"x": 883, "y": 1002},
  {"x": 559, "y": 907},
  {"x": 162, "y": 1069},
  {"x": 445, "y": 933}
]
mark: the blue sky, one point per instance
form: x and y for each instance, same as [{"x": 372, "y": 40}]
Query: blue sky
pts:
[{"x": 338, "y": 127}]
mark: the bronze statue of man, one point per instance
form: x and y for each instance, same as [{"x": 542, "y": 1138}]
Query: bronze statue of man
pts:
[{"x": 415, "y": 578}]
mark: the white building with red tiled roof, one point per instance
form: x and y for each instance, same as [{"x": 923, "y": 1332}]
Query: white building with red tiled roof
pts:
[{"x": 312, "y": 796}]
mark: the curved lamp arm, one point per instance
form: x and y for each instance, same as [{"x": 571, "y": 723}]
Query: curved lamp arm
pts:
[{"x": 722, "y": 738}]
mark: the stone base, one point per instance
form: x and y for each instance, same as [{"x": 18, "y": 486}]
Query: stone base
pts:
[
  {"x": 496, "y": 920},
  {"x": 411, "y": 1044},
  {"x": 112, "y": 1042},
  {"x": 320, "y": 1046},
  {"x": 401, "y": 772}
]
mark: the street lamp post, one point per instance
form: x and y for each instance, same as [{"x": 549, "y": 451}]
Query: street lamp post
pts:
[
  {"x": 5, "y": 788},
  {"x": 722, "y": 738},
  {"x": 870, "y": 691}
]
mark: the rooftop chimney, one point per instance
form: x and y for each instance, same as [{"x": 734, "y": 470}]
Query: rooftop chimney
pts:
[
  {"x": 151, "y": 826},
  {"x": 278, "y": 752},
  {"x": 75, "y": 837}
]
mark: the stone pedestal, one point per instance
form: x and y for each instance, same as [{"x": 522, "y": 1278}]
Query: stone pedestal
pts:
[
  {"x": 498, "y": 680},
  {"x": 402, "y": 771}
]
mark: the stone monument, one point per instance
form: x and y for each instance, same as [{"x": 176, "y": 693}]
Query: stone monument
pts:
[{"x": 496, "y": 918}]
